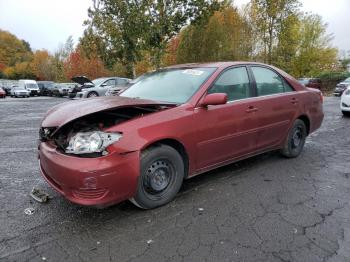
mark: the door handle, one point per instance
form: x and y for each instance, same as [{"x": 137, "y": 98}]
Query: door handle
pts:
[
  {"x": 251, "y": 109},
  {"x": 294, "y": 101}
]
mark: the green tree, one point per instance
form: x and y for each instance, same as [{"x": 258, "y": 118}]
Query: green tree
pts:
[
  {"x": 268, "y": 17},
  {"x": 315, "y": 53},
  {"x": 126, "y": 28}
]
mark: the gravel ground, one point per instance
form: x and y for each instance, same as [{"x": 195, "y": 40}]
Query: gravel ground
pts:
[{"x": 266, "y": 208}]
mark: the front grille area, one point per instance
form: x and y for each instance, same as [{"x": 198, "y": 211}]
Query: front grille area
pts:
[{"x": 90, "y": 193}]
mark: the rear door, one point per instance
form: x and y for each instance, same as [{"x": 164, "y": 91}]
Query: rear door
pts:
[
  {"x": 227, "y": 131},
  {"x": 277, "y": 104}
]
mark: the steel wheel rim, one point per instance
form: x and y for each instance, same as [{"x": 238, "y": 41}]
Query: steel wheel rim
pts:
[{"x": 158, "y": 178}]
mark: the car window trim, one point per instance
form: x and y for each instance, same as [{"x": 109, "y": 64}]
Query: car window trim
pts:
[{"x": 273, "y": 70}]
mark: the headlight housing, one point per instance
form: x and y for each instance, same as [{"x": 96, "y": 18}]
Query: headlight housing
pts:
[
  {"x": 347, "y": 91},
  {"x": 91, "y": 142}
]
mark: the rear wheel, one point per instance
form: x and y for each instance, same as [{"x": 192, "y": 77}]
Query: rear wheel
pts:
[
  {"x": 161, "y": 175},
  {"x": 295, "y": 140},
  {"x": 346, "y": 113},
  {"x": 92, "y": 94}
]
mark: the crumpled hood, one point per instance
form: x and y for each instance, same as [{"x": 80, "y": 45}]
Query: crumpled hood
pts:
[{"x": 66, "y": 112}]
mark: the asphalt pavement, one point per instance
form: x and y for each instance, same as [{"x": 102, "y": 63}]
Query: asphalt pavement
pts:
[{"x": 267, "y": 208}]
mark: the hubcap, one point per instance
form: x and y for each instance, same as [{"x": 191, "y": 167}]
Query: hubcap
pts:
[
  {"x": 92, "y": 95},
  {"x": 158, "y": 177},
  {"x": 297, "y": 137}
]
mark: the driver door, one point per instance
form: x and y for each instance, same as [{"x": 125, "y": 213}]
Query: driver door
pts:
[{"x": 228, "y": 131}]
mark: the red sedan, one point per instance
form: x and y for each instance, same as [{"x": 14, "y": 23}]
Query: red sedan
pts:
[
  {"x": 2, "y": 93},
  {"x": 171, "y": 125}
]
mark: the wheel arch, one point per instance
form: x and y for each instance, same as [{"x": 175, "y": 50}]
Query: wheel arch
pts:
[{"x": 177, "y": 145}]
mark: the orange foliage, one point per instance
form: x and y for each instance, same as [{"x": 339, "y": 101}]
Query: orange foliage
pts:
[
  {"x": 40, "y": 64},
  {"x": 2, "y": 67},
  {"x": 77, "y": 64},
  {"x": 170, "y": 56}
]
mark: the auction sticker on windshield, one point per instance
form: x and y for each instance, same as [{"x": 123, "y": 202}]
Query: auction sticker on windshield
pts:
[{"x": 192, "y": 72}]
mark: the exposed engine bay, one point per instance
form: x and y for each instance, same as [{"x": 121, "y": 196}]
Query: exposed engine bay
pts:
[{"x": 98, "y": 121}]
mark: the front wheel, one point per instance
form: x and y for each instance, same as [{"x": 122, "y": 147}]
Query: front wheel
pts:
[
  {"x": 92, "y": 94},
  {"x": 161, "y": 175},
  {"x": 295, "y": 140}
]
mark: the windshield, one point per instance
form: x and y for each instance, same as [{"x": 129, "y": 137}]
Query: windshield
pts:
[
  {"x": 347, "y": 80},
  {"x": 98, "y": 81},
  {"x": 170, "y": 85},
  {"x": 34, "y": 86}
]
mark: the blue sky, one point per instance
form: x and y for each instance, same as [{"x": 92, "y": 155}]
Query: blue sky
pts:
[{"x": 46, "y": 23}]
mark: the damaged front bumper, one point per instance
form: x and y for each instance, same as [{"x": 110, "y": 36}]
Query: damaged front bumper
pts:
[{"x": 99, "y": 182}]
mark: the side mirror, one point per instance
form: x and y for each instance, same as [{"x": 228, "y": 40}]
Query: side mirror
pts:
[
  {"x": 103, "y": 85},
  {"x": 214, "y": 99}
]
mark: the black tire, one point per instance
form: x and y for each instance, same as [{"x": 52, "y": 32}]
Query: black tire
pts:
[
  {"x": 161, "y": 175},
  {"x": 295, "y": 140},
  {"x": 92, "y": 94},
  {"x": 346, "y": 113}
]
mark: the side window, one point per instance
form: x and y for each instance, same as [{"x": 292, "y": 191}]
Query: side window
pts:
[
  {"x": 268, "y": 82},
  {"x": 234, "y": 82},
  {"x": 122, "y": 81},
  {"x": 110, "y": 82}
]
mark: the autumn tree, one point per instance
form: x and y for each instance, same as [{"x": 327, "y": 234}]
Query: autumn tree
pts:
[
  {"x": 41, "y": 64},
  {"x": 78, "y": 64},
  {"x": 13, "y": 50},
  {"x": 226, "y": 36}
]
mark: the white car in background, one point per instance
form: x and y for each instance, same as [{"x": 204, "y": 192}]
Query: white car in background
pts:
[
  {"x": 345, "y": 102},
  {"x": 30, "y": 85},
  {"x": 19, "y": 91}
]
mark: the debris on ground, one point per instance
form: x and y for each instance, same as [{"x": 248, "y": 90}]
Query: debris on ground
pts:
[
  {"x": 29, "y": 211},
  {"x": 39, "y": 195}
]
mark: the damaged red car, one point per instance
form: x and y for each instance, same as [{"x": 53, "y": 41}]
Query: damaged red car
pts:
[{"x": 171, "y": 125}]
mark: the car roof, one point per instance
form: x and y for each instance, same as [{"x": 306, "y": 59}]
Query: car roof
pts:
[{"x": 217, "y": 64}]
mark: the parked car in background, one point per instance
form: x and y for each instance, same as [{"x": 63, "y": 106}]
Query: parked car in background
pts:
[
  {"x": 7, "y": 89},
  {"x": 19, "y": 91},
  {"x": 114, "y": 91},
  {"x": 30, "y": 85},
  {"x": 339, "y": 89},
  {"x": 311, "y": 82},
  {"x": 62, "y": 89},
  {"x": 97, "y": 87},
  {"x": 173, "y": 124},
  {"x": 45, "y": 87},
  {"x": 2, "y": 93},
  {"x": 345, "y": 102}
]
